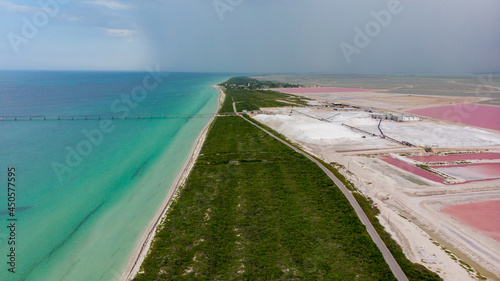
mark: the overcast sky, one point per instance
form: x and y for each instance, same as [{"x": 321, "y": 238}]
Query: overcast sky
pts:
[{"x": 260, "y": 36}]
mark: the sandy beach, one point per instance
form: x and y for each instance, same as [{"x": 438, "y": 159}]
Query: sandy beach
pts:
[{"x": 143, "y": 245}]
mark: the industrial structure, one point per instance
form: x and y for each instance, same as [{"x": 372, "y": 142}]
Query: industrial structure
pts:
[{"x": 395, "y": 117}]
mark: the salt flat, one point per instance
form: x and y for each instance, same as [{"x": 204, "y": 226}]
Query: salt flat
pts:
[{"x": 409, "y": 210}]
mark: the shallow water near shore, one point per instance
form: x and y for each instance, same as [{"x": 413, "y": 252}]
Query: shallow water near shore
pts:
[{"x": 86, "y": 189}]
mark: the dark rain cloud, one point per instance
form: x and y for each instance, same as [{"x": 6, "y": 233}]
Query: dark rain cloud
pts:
[
  {"x": 450, "y": 36},
  {"x": 264, "y": 36}
]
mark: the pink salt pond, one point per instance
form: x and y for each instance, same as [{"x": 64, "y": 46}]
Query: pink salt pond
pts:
[
  {"x": 456, "y": 157},
  {"x": 412, "y": 169},
  {"x": 472, "y": 172},
  {"x": 359, "y": 150},
  {"x": 470, "y": 114},
  {"x": 480, "y": 216},
  {"x": 310, "y": 90}
]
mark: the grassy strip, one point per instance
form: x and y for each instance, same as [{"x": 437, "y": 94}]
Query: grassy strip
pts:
[
  {"x": 255, "y": 99},
  {"x": 227, "y": 105},
  {"x": 435, "y": 172},
  {"x": 414, "y": 271},
  {"x": 244, "y": 82},
  {"x": 253, "y": 209},
  {"x": 250, "y": 98}
]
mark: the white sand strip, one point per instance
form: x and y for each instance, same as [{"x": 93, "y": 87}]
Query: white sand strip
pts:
[{"x": 142, "y": 247}]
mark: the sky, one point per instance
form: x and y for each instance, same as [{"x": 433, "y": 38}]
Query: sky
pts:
[{"x": 252, "y": 36}]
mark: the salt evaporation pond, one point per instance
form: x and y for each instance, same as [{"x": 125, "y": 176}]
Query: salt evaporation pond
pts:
[
  {"x": 412, "y": 169},
  {"x": 470, "y": 114},
  {"x": 456, "y": 157},
  {"x": 472, "y": 172},
  {"x": 480, "y": 216}
]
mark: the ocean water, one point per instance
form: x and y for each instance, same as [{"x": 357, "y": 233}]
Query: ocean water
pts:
[{"x": 85, "y": 190}]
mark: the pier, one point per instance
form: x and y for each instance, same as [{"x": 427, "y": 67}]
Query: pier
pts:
[{"x": 99, "y": 117}]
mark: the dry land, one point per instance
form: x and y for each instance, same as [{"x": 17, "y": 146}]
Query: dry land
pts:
[
  {"x": 255, "y": 209},
  {"x": 414, "y": 208}
]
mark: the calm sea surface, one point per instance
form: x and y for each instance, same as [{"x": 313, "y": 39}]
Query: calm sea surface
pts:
[{"x": 85, "y": 190}]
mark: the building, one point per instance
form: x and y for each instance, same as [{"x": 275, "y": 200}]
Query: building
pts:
[
  {"x": 411, "y": 118},
  {"x": 395, "y": 117},
  {"x": 378, "y": 116},
  {"x": 405, "y": 118}
]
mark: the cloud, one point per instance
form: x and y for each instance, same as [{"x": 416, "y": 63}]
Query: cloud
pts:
[
  {"x": 119, "y": 32},
  {"x": 447, "y": 36},
  {"x": 110, "y": 4},
  {"x": 115, "y": 16},
  {"x": 18, "y": 9},
  {"x": 70, "y": 19}
]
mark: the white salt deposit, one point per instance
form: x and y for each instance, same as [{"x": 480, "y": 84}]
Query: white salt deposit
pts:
[
  {"x": 421, "y": 133},
  {"x": 307, "y": 129}
]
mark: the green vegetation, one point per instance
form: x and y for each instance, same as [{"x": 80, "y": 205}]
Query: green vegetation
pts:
[
  {"x": 413, "y": 271},
  {"x": 414, "y": 180},
  {"x": 462, "y": 263},
  {"x": 436, "y": 172},
  {"x": 425, "y": 167},
  {"x": 334, "y": 169},
  {"x": 253, "y": 84},
  {"x": 253, "y": 209},
  {"x": 247, "y": 98},
  {"x": 255, "y": 99},
  {"x": 227, "y": 104},
  {"x": 461, "y": 152}
]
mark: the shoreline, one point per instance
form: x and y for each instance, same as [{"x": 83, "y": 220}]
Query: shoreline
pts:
[{"x": 143, "y": 245}]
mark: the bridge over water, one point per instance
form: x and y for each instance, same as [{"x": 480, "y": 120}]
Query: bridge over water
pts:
[{"x": 99, "y": 117}]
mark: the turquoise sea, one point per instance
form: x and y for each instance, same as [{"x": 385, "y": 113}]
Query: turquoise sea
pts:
[{"x": 85, "y": 190}]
